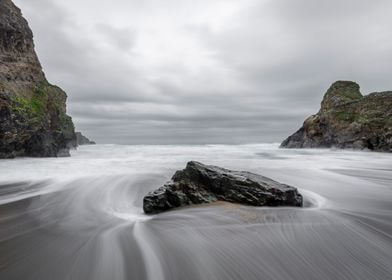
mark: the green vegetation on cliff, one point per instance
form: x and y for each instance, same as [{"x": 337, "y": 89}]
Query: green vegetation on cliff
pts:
[
  {"x": 33, "y": 119},
  {"x": 347, "y": 119}
]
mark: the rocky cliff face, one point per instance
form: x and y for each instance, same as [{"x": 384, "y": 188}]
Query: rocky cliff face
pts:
[
  {"x": 348, "y": 120},
  {"x": 33, "y": 119}
]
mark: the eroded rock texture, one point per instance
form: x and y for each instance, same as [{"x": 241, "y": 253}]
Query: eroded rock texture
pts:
[
  {"x": 348, "y": 120},
  {"x": 199, "y": 183},
  {"x": 33, "y": 119}
]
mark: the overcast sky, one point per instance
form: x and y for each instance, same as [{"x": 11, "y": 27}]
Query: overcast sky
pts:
[{"x": 206, "y": 71}]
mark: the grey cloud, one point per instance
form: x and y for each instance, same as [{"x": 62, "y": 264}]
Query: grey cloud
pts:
[
  {"x": 122, "y": 38},
  {"x": 253, "y": 77}
]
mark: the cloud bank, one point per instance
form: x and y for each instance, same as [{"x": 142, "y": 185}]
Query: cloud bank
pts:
[{"x": 207, "y": 71}]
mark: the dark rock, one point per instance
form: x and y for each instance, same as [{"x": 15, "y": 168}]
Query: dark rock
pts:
[
  {"x": 347, "y": 120},
  {"x": 33, "y": 119},
  {"x": 199, "y": 183},
  {"x": 83, "y": 140}
]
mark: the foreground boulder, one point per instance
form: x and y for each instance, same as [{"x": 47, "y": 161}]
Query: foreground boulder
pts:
[
  {"x": 33, "y": 118},
  {"x": 199, "y": 183},
  {"x": 347, "y": 120}
]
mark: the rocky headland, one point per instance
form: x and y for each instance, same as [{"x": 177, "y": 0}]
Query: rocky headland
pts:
[
  {"x": 83, "y": 140},
  {"x": 347, "y": 119},
  {"x": 33, "y": 119},
  {"x": 199, "y": 183}
]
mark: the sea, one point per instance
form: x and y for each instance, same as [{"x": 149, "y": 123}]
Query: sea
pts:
[{"x": 81, "y": 217}]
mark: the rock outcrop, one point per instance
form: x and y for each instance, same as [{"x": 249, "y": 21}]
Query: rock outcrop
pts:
[
  {"x": 348, "y": 120},
  {"x": 83, "y": 140},
  {"x": 199, "y": 183},
  {"x": 33, "y": 119}
]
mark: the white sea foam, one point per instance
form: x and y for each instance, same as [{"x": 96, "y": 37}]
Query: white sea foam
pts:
[{"x": 85, "y": 220}]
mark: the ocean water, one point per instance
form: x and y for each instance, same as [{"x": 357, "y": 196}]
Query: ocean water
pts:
[{"x": 81, "y": 217}]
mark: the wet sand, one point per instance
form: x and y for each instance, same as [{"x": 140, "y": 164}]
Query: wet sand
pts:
[{"x": 93, "y": 227}]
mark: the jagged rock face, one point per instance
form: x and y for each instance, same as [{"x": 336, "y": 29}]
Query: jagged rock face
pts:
[
  {"x": 83, "y": 140},
  {"x": 19, "y": 63},
  {"x": 199, "y": 183},
  {"x": 340, "y": 93},
  {"x": 33, "y": 119},
  {"x": 348, "y": 120}
]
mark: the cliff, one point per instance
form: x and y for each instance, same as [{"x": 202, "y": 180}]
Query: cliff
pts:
[
  {"x": 348, "y": 120},
  {"x": 33, "y": 119}
]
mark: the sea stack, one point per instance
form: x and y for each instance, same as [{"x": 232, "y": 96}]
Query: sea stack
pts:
[
  {"x": 347, "y": 119},
  {"x": 33, "y": 119},
  {"x": 199, "y": 183}
]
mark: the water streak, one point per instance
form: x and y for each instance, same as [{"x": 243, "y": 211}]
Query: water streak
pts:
[{"x": 82, "y": 218}]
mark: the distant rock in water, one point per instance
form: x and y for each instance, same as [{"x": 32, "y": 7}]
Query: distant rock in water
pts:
[
  {"x": 33, "y": 119},
  {"x": 199, "y": 183},
  {"x": 83, "y": 140},
  {"x": 348, "y": 120}
]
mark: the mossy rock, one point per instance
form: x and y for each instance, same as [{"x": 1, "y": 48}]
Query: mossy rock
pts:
[
  {"x": 340, "y": 93},
  {"x": 347, "y": 119}
]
